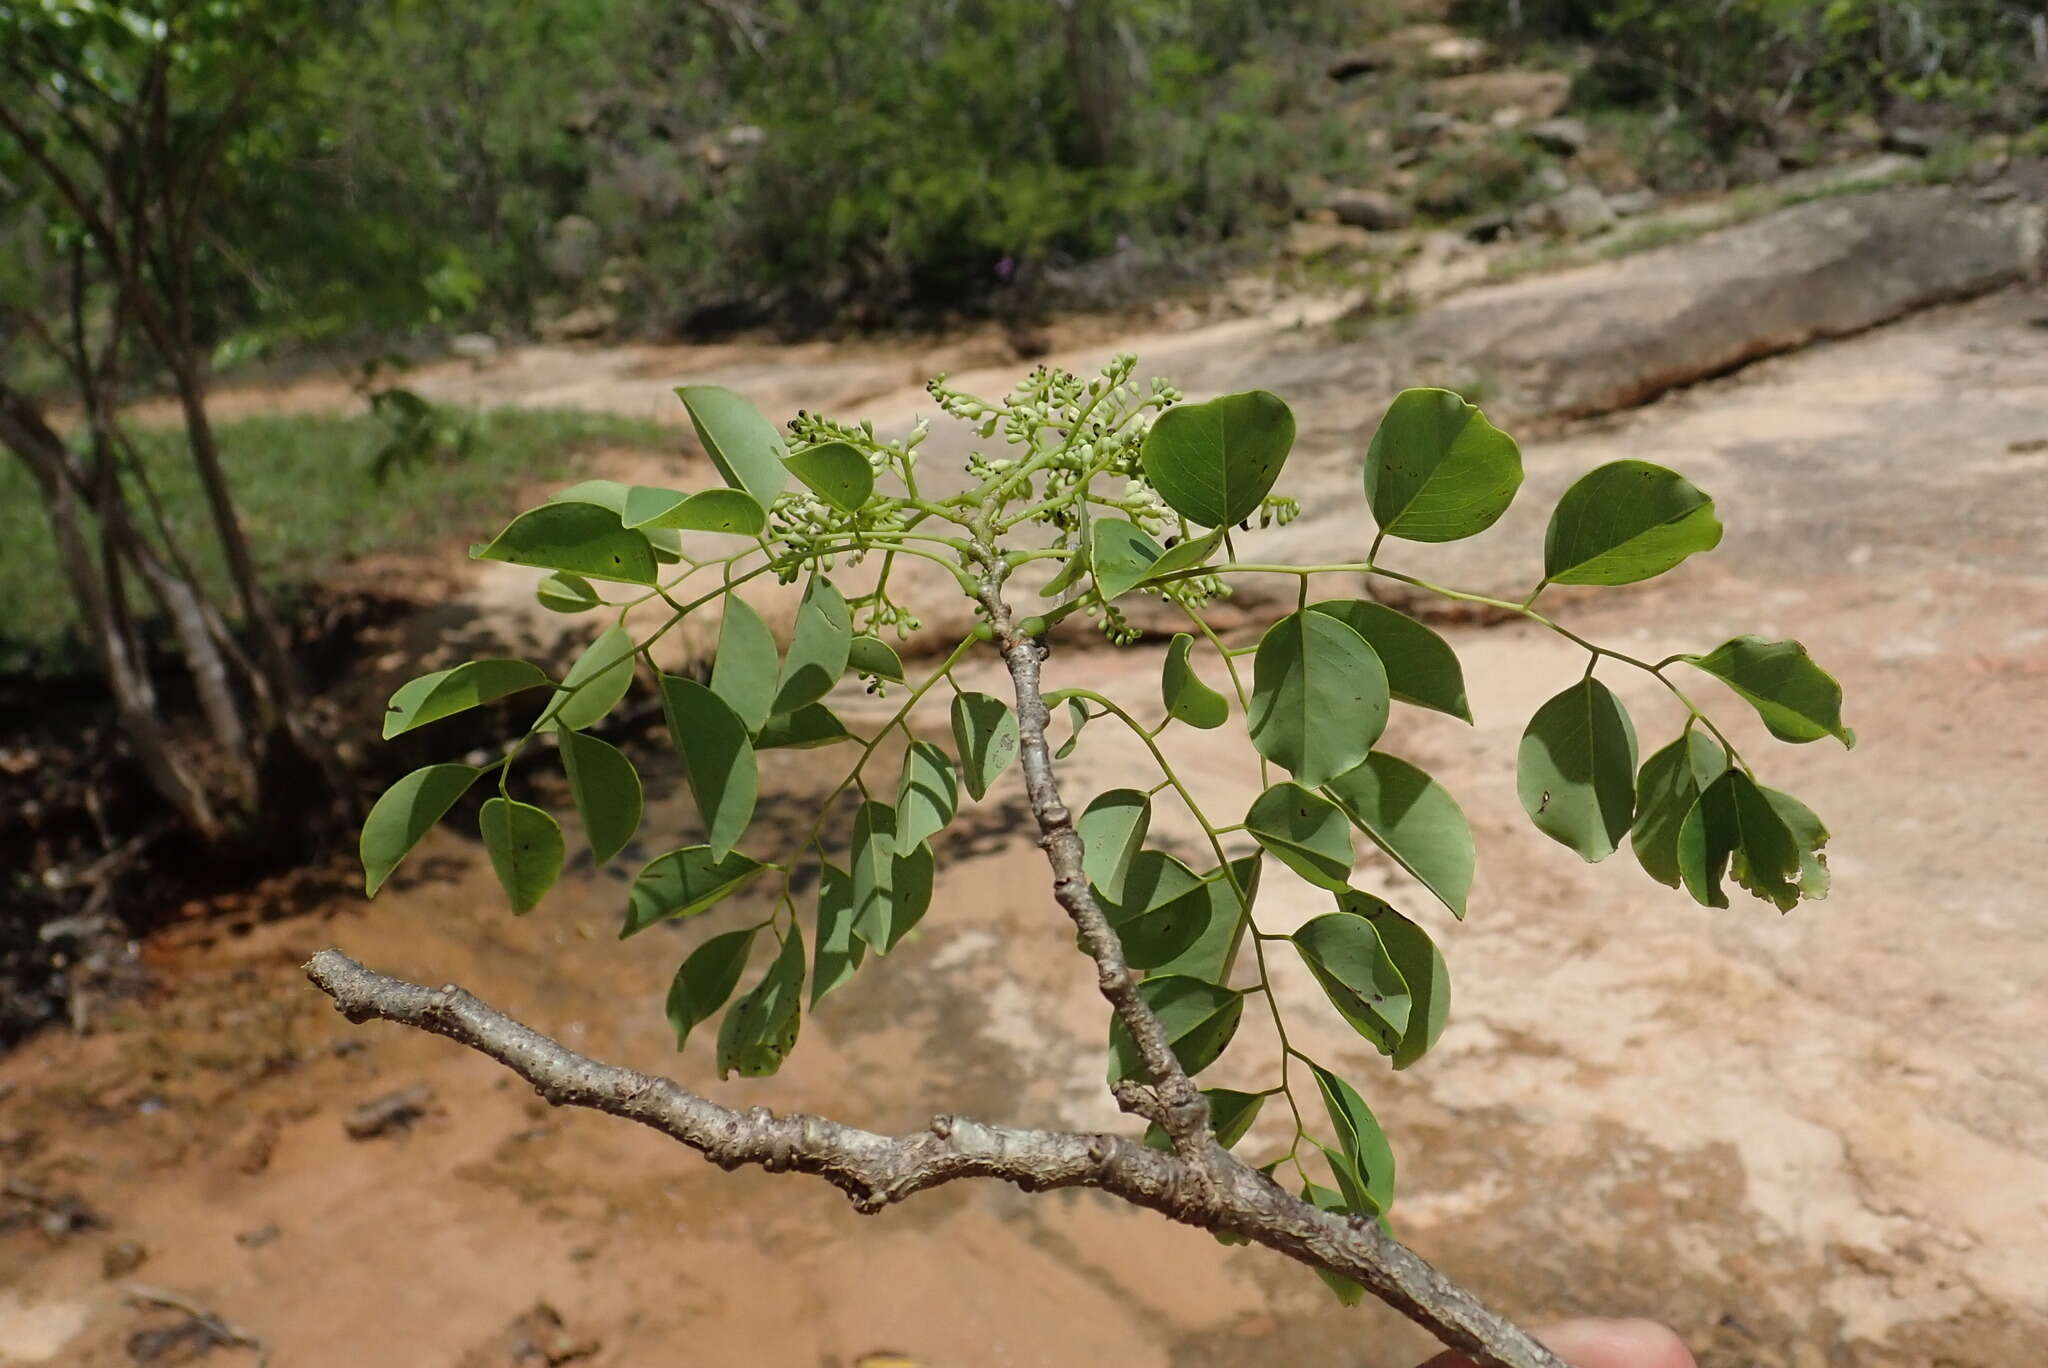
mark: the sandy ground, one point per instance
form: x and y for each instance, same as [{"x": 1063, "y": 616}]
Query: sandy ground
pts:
[{"x": 1819, "y": 1139}]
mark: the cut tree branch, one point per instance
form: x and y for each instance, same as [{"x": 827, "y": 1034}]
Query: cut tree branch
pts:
[{"x": 876, "y": 1170}]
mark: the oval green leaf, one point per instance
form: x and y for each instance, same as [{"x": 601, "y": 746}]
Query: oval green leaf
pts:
[
  {"x": 839, "y": 951},
  {"x": 1123, "y": 556},
  {"x": 607, "y": 792},
  {"x": 1112, "y": 829},
  {"x": 836, "y": 472},
  {"x": 1307, "y": 832},
  {"x": 1216, "y": 943},
  {"x": 1184, "y": 555},
  {"x": 1576, "y": 771},
  {"x": 891, "y": 892},
  {"x": 732, "y": 512},
  {"x": 985, "y": 738},
  {"x": 718, "y": 759},
  {"x": 745, "y": 446},
  {"x": 760, "y": 1029},
  {"x": 1344, "y": 953},
  {"x": 744, "y": 667},
  {"x": 927, "y": 796},
  {"x": 1214, "y": 463},
  {"x": 561, "y": 592},
  {"x": 1808, "y": 835},
  {"x": 1734, "y": 823},
  {"x": 810, "y": 726},
  {"x": 1667, "y": 786},
  {"x": 1368, "y": 1156},
  {"x": 1437, "y": 470},
  {"x": 1186, "y": 697},
  {"x": 706, "y": 979},
  {"x": 1624, "y": 522},
  {"x": 875, "y": 658},
  {"x": 581, "y": 538},
  {"x": 443, "y": 693},
  {"x": 1319, "y": 697},
  {"x": 1797, "y": 699},
  {"x": 525, "y": 846},
  {"x": 1199, "y": 1018},
  {"x": 1421, "y": 667},
  {"x": 682, "y": 883},
  {"x": 596, "y": 682},
  {"x": 1231, "y": 1114},
  {"x": 1415, "y": 820},
  {"x": 404, "y": 813},
  {"x": 819, "y": 649},
  {"x": 1422, "y": 969}
]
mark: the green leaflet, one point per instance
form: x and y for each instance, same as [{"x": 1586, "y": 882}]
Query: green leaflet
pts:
[
  {"x": 839, "y": 950},
  {"x": 1186, "y": 697},
  {"x": 1112, "y": 829},
  {"x": 1319, "y": 697},
  {"x": 733, "y": 512},
  {"x": 836, "y": 473},
  {"x": 405, "y": 812},
  {"x": 1797, "y": 699},
  {"x": 525, "y": 846},
  {"x": 760, "y": 1029},
  {"x": 985, "y": 738},
  {"x": 584, "y": 539},
  {"x": 744, "y": 668},
  {"x": 1667, "y": 786},
  {"x": 1307, "y": 832},
  {"x": 1347, "y": 1292},
  {"x": 1415, "y": 820},
  {"x": 1199, "y": 1018},
  {"x": 927, "y": 796},
  {"x": 706, "y": 980},
  {"x": 1215, "y": 463},
  {"x": 444, "y": 693},
  {"x": 596, "y": 682},
  {"x": 561, "y": 592},
  {"x": 1423, "y": 970},
  {"x": 1734, "y": 824},
  {"x": 1369, "y": 1159},
  {"x": 810, "y": 726},
  {"x": 682, "y": 883},
  {"x": 606, "y": 789},
  {"x": 1437, "y": 471},
  {"x": 745, "y": 446},
  {"x": 891, "y": 892},
  {"x": 1808, "y": 835},
  {"x": 1216, "y": 943},
  {"x": 718, "y": 759},
  {"x": 1231, "y": 1114},
  {"x": 818, "y": 652},
  {"x": 1421, "y": 667},
  {"x": 1123, "y": 556},
  {"x": 1344, "y": 952},
  {"x": 1627, "y": 521},
  {"x": 870, "y": 655},
  {"x": 1576, "y": 770}
]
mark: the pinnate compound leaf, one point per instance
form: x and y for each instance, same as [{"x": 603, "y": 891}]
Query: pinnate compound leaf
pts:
[
  {"x": 985, "y": 737},
  {"x": 1112, "y": 829},
  {"x": 1123, "y": 556},
  {"x": 1186, "y": 697},
  {"x": 1733, "y": 823},
  {"x": 596, "y": 682},
  {"x": 443, "y": 693},
  {"x": 561, "y": 592},
  {"x": 1306, "y": 832},
  {"x": 1363, "y": 1145},
  {"x": 525, "y": 846},
  {"x": 836, "y": 472},
  {"x": 1199, "y": 1018},
  {"x": 744, "y": 667},
  {"x": 745, "y": 446},
  {"x": 891, "y": 892},
  {"x": 1231, "y": 1114},
  {"x": 718, "y": 759},
  {"x": 760, "y": 1029},
  {"x": 405, "y": 813},
  {"x": 870, "y": 655},
  {"x": 1215, "y": 463},
  {"x": 1576, "y": 771},
  {"x": 1415, "y": 820},
  {"x": 1319, "y": 697},
  {"x": 1421, "y": 667},
  {"x": 1667, "y": 786},
  {"x": 683, "y": 883},
  {"x": 1437, "y": 471},
  {"x": 927, "y": 796},
  {"x": 1344, "y": 952},
  {"x": 582, "y": 538},
  {"x": 1627, "y": 521},
  {"x": 839, "y": 950},
  {"x": 808, "y": 727},
  {"x": 607, "y": 791},
  {"x": 1797, "y": 699},
  {"x": 818, "y": 651},
  {"x": 706, "y": 980}
]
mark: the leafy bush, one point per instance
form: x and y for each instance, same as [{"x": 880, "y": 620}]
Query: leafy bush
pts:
[{"x": 1123, "y": 493}]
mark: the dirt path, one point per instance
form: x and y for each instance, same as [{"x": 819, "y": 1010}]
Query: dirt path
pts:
[{"x": 1812, "y": 1140}]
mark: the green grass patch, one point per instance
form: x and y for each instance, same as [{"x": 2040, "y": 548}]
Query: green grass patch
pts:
[{"x": 309, "y": 498}]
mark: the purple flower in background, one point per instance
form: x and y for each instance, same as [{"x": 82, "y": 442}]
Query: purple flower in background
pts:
[{"x": 1006, "y": 268}]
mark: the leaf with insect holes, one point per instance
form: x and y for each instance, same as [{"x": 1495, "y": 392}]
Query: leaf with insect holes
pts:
[{"x": 760, "y": 1029}]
